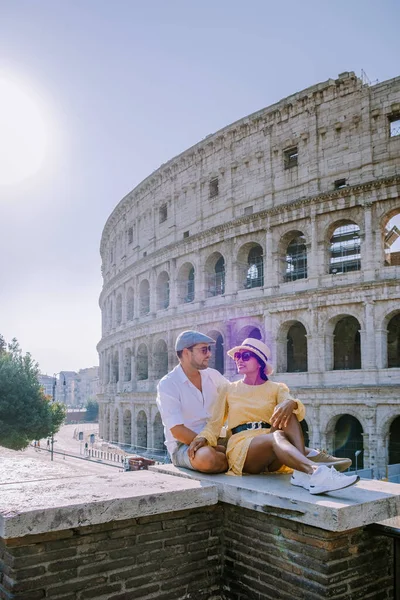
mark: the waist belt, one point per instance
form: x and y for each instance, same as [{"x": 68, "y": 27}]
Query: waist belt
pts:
[{"x": 255, "y": 425}]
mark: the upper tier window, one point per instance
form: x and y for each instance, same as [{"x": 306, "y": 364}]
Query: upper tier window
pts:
[
  {"x": 290, "y": 157},
  {"x": 214, "y": 187}
]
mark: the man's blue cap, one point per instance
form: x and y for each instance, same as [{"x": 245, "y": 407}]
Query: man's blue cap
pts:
[{"x": 187, "y": 339}]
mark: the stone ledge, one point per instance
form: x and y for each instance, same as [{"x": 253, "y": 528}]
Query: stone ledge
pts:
[
  {"x": 367, "y": 502},
  {"x": 48, "y": 503}
]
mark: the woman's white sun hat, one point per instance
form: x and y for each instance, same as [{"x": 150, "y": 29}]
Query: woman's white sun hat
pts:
[{"x": 256, "y": 347}]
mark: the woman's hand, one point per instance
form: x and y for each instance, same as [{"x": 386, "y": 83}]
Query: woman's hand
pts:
[
  {"x": 195, "y": 445},
  {"x": 282, "y": 413}
]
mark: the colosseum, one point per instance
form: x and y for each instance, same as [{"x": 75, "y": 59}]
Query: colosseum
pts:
[{"x": 282, "y": 226}]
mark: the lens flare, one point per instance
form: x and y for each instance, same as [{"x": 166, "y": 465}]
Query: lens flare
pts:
[{"x": 23, "y": 134}]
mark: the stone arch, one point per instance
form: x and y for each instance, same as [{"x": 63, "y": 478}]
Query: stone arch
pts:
[
  {"x": 160, "y": 359},
  {"x": 127, "y": 364},
  {"x": 346, "y": 344},
  {"x": 141, "y": 430},
  {"x": 144, "y": 297},
  {"x": 393, "y": 341},
  {"x": 217, "y": 360},
  {"x": 293, "y": 253},
  {"x": 186, "y": 283},
  {"x": 390, "y": 237},
  {"x": 348, "y": 439},
  {"x": 115, "y": 367},
  {"x": 130, "y": 304},
  {"x": 110, "y": 313},
  {"x": 248, "y": 331},
  {"x": 250, "y": 262},
  {"x": 215, "y": 275},
  {"x": 344, "y": 247},
  {"x": 106, "y": 423},
  {"x": 142, "y": 362},
  {"x": 394, "y": 442},
  {"x": 162, "y": 291},
  {"x": 158, "y": 433},
  {"x": 115, "y": 430},
  {"x": 127, "y": 427},
  {"x": 292, "y": 347},
  {"x": 118, "y": 309}
]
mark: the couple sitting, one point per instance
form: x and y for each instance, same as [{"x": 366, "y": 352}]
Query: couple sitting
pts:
[{"x": 264, "y": 434}]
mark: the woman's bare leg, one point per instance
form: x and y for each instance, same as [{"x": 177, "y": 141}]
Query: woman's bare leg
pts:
[
  {"x": 294, "y": 434},
  {"x": 273, "y": 450}
]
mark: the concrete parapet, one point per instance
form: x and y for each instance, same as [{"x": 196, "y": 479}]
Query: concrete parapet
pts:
[{"x": 367, "y": 502}]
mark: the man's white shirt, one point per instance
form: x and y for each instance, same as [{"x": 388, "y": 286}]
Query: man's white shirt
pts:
[{"x": 181, "y": 403}]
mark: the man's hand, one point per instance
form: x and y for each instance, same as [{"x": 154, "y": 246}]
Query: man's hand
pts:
[
  {"x": 195, "y": 445},
  {"x": 282, "y": 413}
]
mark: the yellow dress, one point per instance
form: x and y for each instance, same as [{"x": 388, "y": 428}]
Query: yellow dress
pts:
[{"x": 241, "y": 403}]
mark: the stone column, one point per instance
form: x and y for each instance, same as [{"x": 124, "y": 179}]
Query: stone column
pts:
[
  {"x": 368, "y": 360},
  {"x": 152, "y": 292},
  {"x": 173, "y": 285},
  {"x": 380, "y": 336},
  {"x": 120, "y": 368},
  {"x": 312, "y": 250},
  {"x": 269, "y": 279},
  {"x": 229, "y": 268},
  {"x": 367, "y": 248}
]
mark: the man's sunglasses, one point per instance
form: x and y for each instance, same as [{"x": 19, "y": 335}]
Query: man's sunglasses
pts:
[
  {"x": 203, "y": 349},
  {"x": 245, "y": 356}
]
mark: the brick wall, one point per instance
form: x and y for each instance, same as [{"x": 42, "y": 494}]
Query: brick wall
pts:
[
  {"x": 221, "y": 552},
  {"x": 268, "y": 557},
  {"x": 169, "y": 557}
]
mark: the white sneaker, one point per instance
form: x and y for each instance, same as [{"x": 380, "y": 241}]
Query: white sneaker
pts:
[
  {"x": 325, "y": 479},
  {"x": 300, "y": 479}
]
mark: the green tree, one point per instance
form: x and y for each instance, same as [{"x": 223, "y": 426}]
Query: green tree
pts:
[
  {"x": 92, "y": 410},
  {"x": 26, "y": 414}
]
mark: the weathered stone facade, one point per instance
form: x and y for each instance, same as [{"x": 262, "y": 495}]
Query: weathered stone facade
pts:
[{"x": 275, "y": 227}]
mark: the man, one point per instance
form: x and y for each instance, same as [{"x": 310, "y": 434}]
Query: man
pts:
[{"x": 185, "y": 398}]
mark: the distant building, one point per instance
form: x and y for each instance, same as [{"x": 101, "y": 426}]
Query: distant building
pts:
[
  {"x": 47, "y": 382},
  {"x": 72, "y": 388}
]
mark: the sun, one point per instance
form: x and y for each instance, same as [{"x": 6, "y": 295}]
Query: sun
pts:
[{"x": 23, "y": 132}]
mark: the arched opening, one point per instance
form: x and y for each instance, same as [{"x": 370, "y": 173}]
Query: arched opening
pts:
[
  {"x": 130, "y": 304},
  {"x": 115, "y": 368},
  {"x": 110, "y": 316},
  {"x": 115, "y": 436},
  {"x": 158, "y": 433},
  {"x": 162, "y": 291},
  {"x": 118, "y": 309},
  {"x": 217, "y": 360},
  {"x": 160, "y": 359},
  {"x": 349, "y": 439},
  {"x": 391, "y": 240},
  {"x": 306, "y": 434},
  {"x": 142, "y": 363},
  {"x": 297, "y": 349},
  {"x": 345, "y": 249},
  {"x": 255, "y": 268},
  {"x": 127, "y": 427},
  {"x": 296, "y": 258},
  {"x": 144, "y": 297},
  {"x": 186, "y": 284},
  {"x": 248, "y": 332},
  {"x": 141, "y": 426},
  {"x": 394, "y": 442},
  {"x": 393, "y": 342},
  {"x": 346, "y": 345},
  {"x": 128, "y": 364},
  {"x": 215, "y": 272}
]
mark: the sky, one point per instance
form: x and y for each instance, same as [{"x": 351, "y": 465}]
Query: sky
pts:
[{"x": 97, "y": 94}]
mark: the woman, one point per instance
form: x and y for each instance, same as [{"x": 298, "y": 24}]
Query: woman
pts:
[{"x": 263, "y": 420}]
